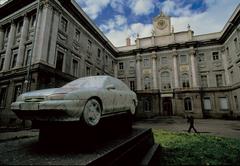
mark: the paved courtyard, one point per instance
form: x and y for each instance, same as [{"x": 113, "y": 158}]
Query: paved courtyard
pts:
[{"x": 224, "y": 128}]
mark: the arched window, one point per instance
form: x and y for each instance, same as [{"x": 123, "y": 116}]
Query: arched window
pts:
[
  {"x": 165, "y": 80},
  {"x": 188, "y": 104},
  {"x": 185, "y": 80},
  {"x": 146, "y": 82}
]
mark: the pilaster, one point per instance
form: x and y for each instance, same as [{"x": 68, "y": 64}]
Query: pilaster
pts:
[
  {"x": 224, "y": 57},
  {"x": 154, "y": 70},
  {"x": 44, "y": 33},
  {"x": 21, "y": 49},
  {"x": 10, "y": 42},
  {"x": 139, "y": 71},
  {"x": 175, "y": 68},
  {"x": 1, "y": 37},
  {"x": 193, "y": 67}
]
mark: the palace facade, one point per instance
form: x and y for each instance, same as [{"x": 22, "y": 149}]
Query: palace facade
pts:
[{"x": 47, "y": 43}]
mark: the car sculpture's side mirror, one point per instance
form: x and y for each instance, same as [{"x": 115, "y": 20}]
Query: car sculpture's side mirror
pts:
[{"x": 111, "y": 86}]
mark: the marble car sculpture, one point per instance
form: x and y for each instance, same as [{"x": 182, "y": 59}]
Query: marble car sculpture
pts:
[{"x": 86, "y": 99}]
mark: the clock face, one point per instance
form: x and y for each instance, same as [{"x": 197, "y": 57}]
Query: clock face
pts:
[{"x": 161, "y": 24}]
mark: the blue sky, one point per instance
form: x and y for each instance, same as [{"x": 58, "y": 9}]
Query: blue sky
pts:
[{"x": 119, "y": 19}]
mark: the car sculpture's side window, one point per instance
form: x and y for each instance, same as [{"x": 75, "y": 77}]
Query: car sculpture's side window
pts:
[{"x": 120, "y": 85}]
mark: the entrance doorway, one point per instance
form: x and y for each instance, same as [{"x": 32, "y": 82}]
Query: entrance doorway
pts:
[{"x": 167, "y": 106}]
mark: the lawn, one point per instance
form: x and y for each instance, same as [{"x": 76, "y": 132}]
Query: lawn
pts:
[{"x": 197, "y": 149}]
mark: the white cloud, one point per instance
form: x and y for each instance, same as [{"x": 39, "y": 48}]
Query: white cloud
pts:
[
  {"x": 117, "y": 5},
  {"x": 118, "y": 22},
  {"x": 142, "y": 7},
  {"x": 171, "y": 7},
  {"x": 93, "y": 7},
  {"x": 118, "y": 37},
  {"x": 3, "y": 1},
  {"x": 212, "y": 20}
]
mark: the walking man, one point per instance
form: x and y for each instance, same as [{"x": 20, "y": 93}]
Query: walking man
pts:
[{"x": 191, "y": 121}]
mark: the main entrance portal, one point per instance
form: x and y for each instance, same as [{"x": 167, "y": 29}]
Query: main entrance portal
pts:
[{"x": 167, "y": 106}]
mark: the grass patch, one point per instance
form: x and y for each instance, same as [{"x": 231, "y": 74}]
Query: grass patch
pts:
[{"x": 197, "y": 149}]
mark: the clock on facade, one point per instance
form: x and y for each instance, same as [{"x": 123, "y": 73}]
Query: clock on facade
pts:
[{"x": 161, "y": 24}]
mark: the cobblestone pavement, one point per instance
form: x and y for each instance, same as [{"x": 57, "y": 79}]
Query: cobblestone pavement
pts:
[{"x": 223, "y": 128}]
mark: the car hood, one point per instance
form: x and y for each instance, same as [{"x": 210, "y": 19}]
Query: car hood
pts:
[{"x": 46, "y": 92}]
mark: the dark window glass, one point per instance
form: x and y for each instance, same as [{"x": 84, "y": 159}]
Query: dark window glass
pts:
[
  {"x": 59, "y": 64},
  {"x": 17, "y": 92},
  {"x": 187, "y": 104},
  {"x": 1, "y": 64},
  {"x": 3, "y": 96},
  {"x": 14, "y": 61}
]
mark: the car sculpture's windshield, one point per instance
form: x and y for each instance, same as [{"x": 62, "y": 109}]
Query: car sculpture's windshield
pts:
[{"x": 86, "y": 83}]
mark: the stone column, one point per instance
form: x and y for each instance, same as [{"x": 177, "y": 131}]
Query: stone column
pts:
[
  {"x": 44, "y": 34},
  {"x": 154, "y": 70},
  {"x": 193, "y": 67},
  {"x": 1, "y": 37},
  {"x": 21, "y": 49},
  {"x": 224, "y": 57},
  {"x": 175, "y": 69},
  {"x": 54, "y": 34},
  {"x": 35, "y": 40},
  {"x": 138, "y": 72},
  {"x": 10, "y": 43}
]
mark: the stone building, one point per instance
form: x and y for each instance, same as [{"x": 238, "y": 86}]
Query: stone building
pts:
[
  {"x": 57, "y": 38},
  {"x": 47, "y": 43},
  {"x": 177, "y": 73}
]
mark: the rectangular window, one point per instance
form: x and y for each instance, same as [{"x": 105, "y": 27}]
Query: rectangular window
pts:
[
  {"x": 28, "y": 57},
  {"x": 204, "y": 81},
  {"x": 120, "y": 65},
  {"x": 146, "y": 63},
  {"x": 131, "y": 64},
  {"x": 232, "y": 77},
  {"x": 147, "y": 104},
  {"x": 112, "y": 65},
  {"x": 201, "y": 57},
  {"x": 132, "y": 85},
  {"x": 17, "y": 92},
  {"x": 207, "y": 103},
  {"x": 7, "y": 31},
  {"x": 89, "y": 47},
  {"x": 236, "y": 44},
  {"x": 227, "y": 52},
  {"x": 99, "y": 53},
  {"x": 236, "y": 102},
  {"x": 183, "y": 59},
  {"x": 106, "y": 57},
  {"x": 88, "y": 71},
  {"x": 219, "y": 80},
  {"x": 59, "y": 63},
  {"x": 64, "y": 23},
  {"x": 215, "y": 56},
  {"x": 77, "y": 35},
  {"x": 75, "y": 67},
  {"x": 14, "y": 60},
  {"x": 164, "y": 60},
  {"x": 19, "y": 26},
  {"x": 3, "y": 92},
  {"x": 223, "y": 103},
  {"x": 33, "y": 20},
  {"x": 1, "y": 63}
]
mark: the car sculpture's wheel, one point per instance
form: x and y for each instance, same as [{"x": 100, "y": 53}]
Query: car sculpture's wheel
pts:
[{"x": 92, "y": 112}]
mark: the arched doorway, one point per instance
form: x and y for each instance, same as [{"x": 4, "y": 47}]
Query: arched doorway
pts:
[{"x": 167, "y": 106}]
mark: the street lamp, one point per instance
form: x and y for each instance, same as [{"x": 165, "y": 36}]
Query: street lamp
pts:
[{"x": 27, "y": 81}]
